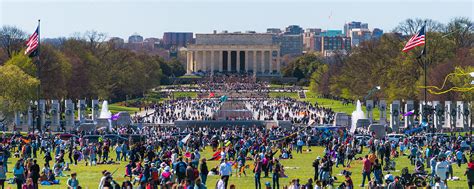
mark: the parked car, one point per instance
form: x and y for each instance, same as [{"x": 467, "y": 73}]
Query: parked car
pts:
[{"x": 396, "y": 137}]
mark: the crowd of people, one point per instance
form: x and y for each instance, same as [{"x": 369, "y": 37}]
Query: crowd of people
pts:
[
  {"x": 290, "y": 110},
  {"x": 171, "y": 158}
]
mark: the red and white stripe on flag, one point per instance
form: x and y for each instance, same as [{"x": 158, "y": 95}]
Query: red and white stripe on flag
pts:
[
  {"x": 32, "y": 43},
  {"x": 417, "y": 40}
]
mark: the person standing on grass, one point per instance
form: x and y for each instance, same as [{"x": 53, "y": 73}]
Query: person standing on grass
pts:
[
  {"x": 118, "y": 152},
  {"x": 442, "y": 168},
  {"x": 316, "y": 168},
  {"x": 367, "y": 166},
  {"x": 34, "y": 173},
  {"x": 377, "y": 169},
  {"x": 257, "y": 170},
  {"x": 204, "y": 171},
  {"x": 19, "y": 173},
  {"x": 225, "y": 171},
  {"x": 470, "y": 174},
  {"x": 299, "y": 146},
  {"x": 3, "y": 175},
  {"x": 276, "y": 174}
]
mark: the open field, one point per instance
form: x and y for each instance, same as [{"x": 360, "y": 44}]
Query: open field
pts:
[
  {"x": 185, "y": 94},
  {"x": 293, "y": 95},
  {"x": 337, "y": 106},
  {"x": 299, "y": 167}
]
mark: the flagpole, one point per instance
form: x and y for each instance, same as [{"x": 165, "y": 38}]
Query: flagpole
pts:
[
  {"x": 38, "y": 75},
  {"x": 425, "y": 69}
]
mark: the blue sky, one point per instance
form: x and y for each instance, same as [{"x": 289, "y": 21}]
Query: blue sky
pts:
[{"x": 151, "y": 18}]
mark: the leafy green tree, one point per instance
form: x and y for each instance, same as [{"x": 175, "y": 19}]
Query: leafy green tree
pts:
[
  {"x": 24, "y": 62},
  {"x": 17, "y": 88},
  {"x": 55, "y": 73}
]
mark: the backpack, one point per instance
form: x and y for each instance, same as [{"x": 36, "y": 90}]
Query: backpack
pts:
[{"x": 181, "y": 168}]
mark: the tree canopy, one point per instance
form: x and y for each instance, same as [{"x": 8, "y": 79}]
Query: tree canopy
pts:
[{"x": 381, "y": 63}]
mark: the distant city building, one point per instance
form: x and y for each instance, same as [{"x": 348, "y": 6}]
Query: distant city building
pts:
[
  {"x": 331, "y": 33},
  {"x": 135, "y": 38},
  {"x": 289, "y": 44},
  {"x": 316, "y": 31},
  {"x": 274, "y": 30},
  {"x": 377, "y": 33},
  {"x": 151, "y": 43},
  {"x": 117, "y": 42},
  {"x": 178, "y": 39},
  {"x": 294, "y": 30},
  {"x": 312, "y": 41},
  {"x": 354, "y": 25},
  {"x": 359, "y": 35},
  {"x": 337, "y": 43}
]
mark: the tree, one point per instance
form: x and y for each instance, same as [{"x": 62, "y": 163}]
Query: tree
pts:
[
  {"x": 319, "y": 81},
  {"x": 12, "y": 40},
  {"x": 461, "y": 31},
  {"x": 303, "y": 66},
  {"x": 16, "y": 89},
  {"x": 23, "y": 62},
  {"x": 55, "y": 73},
  {"x": 411, "y": 26}
]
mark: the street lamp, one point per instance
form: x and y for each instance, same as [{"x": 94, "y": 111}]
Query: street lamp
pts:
[{"x": 372, "y": 91}]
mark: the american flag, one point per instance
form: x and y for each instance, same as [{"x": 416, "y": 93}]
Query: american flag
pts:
[
  {"x": 32, "y": 44},
  {"x": 417, "y": 40}
]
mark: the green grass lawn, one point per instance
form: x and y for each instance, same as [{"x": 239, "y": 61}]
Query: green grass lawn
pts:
[
  {"x": 283, "y": 94},
  {"x": 337, "y": 106},
  {"x": 116, "y": 108},
  {"x": 185, "y": 94},
  {"x": 299, "y": 167}
]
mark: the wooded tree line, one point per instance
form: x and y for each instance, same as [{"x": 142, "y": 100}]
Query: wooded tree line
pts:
[
  {"x": 382, "y": 63},
  {"x": 85, "y": 66}
]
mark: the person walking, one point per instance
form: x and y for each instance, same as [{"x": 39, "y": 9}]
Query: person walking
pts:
[
  {"x": 225, "y": 171},
  {"x": 258, "y": 171},
  {"x": 19, "y": 173},
  {"x": 34, "y": 173},
  {"x": 367, "y": 166},
  {"x": 316, "y": 168},
  {"x": 204, "y": 171},
  {"x": 3, "y": 175},
  {"x": 276, "y": 174},
  {"x": 470, "y": 174}
]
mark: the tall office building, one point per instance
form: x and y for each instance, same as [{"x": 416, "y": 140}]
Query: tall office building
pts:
[
  {"x": 333, "y": 44},
  {"x": 177, "y": 39},
  {"x": 359, "y": 35},
  {"x": 289, "y": 44},
  {"x": 354, "y": 25},
  {"x": 294, "y": 30}
]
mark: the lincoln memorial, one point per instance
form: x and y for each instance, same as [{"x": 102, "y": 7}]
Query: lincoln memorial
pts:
[{"x": 234, "y": 52}]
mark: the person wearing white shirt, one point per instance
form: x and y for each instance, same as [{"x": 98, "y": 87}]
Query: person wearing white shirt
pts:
[
  {"x": 220, "y": 184},
  {"x": 224, "y": 171},
  {"x": 442, "y": 168}
]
